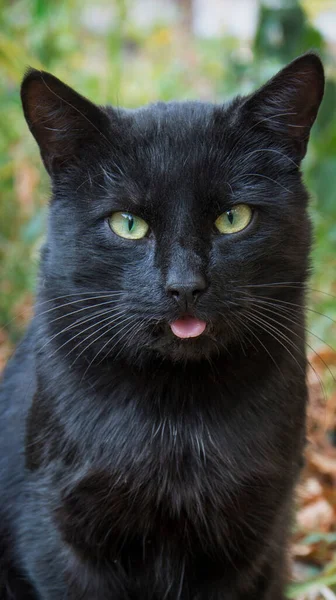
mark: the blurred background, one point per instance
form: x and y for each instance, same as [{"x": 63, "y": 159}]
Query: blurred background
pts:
[{"x": 130, "y": 52}]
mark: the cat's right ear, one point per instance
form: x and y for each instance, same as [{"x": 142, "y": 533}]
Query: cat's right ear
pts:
[
  {"x": 287, "y": 105},
  {"x": 66, "y": 126}
]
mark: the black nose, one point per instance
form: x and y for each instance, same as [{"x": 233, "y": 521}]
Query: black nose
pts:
[{"x": 187, "y": 293}]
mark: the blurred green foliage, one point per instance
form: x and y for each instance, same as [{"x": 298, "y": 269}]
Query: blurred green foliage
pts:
[{"x": 98, "y": 49}]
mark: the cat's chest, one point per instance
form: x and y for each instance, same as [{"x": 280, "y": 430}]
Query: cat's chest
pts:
[
  {"x": 127, "y": 478},
  {"x": 179, "y": 491},
  {"x": 176, "y": 499}
]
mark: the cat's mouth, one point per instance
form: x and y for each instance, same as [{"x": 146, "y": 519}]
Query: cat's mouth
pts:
[
  {"x": 188, "y": 327},
  {"x": 186, "y": 337}
]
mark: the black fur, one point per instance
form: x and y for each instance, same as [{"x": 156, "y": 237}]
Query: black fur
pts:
[{"x": 136, "y": 465}]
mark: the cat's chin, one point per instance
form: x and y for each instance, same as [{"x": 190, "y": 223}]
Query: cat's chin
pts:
[
  {"x": 198, "y": 348},
  {"x": 182, "y": 350}
]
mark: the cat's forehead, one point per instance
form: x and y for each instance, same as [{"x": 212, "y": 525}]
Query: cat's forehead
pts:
[
  {"x": 171, "y": 116},
  {"x": 172, "y": 154},
  {"x": 164, "y": 142},
  {"x": 175, "y": 122},
  {"x": 174, "y": 139}
]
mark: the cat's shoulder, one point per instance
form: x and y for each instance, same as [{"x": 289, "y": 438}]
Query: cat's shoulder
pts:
[{"x": 17, "y": 386}]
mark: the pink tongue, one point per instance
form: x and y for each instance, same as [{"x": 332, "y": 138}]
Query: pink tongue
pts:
[{"x": 188, "y": 327}]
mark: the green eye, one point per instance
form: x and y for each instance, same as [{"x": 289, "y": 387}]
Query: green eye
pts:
[
  {"x": 235, "y": 219},
  {"x": 128, "y": 226}
]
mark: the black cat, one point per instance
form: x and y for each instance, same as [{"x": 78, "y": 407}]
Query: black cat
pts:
[{"x": 153, "y": 418}]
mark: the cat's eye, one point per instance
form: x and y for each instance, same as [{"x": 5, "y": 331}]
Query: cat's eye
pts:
[
  {"x": 235, "y": 219},
  {"x": 128, "y": 226}
]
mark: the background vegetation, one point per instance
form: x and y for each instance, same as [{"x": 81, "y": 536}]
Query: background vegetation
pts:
[{"x": 100, "y": 51}]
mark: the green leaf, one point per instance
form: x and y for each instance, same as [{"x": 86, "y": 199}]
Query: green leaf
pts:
[{"x": 301, "y": 588}]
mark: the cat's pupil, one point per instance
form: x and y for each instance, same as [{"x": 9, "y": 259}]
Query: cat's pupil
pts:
[
  {"x": 230, "y": 216},
  {"x": 130, "y": 222}
]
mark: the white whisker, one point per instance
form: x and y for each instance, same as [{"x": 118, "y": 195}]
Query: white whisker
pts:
[
  {"x": 107, "y": 328},
  {"x": 108, "y": 341},
  {"x": 109, "y": 312},
  {"x": 92, "y": 306}
]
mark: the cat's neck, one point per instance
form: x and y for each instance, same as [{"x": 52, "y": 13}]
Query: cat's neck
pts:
[{"x": 177, "y": 386}]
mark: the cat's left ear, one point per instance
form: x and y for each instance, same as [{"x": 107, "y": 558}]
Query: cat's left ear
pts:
[
  {"x": 288, "y": 104},
  {"x": 67, "y": 127}
]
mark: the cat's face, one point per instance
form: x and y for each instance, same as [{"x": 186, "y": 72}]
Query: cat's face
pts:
[{"x": 167, "y": 223}]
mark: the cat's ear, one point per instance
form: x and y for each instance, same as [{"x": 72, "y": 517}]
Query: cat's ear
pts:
[
  {"x": 287, "y": 104},
  {"x": 65, "y": 125}
]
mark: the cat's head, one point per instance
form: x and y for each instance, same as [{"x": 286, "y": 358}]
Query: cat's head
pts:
[{"x": 168, "y": 223}]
